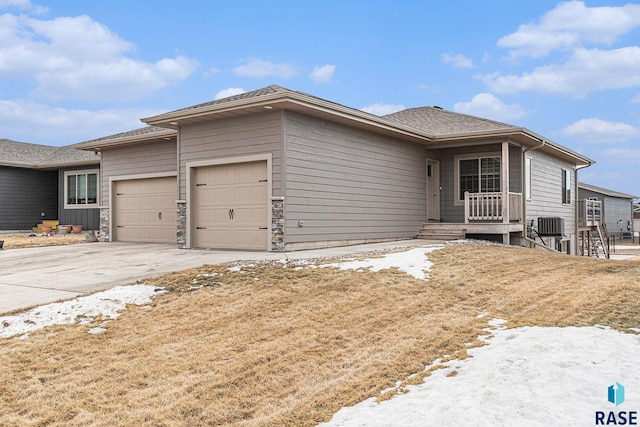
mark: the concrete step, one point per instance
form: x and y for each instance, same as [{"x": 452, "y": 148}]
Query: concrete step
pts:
[{"x": 440, "y": 233}]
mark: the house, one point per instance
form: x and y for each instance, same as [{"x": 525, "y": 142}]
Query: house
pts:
[
  {"x": 40, "y": 182},
  {"x": 617, "y": 208},
  {"x": 276, "y": 169}
]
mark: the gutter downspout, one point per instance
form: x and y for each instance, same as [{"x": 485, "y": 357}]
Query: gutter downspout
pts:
[{"x": 524, "y": 195}]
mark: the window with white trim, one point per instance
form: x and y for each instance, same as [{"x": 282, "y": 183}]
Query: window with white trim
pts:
[
  {"x": 566, "y": 186},
  {"x": 478, "y": 175},
  {"x": 81, "y": 189},
  {"x": 527, "y": 178}
]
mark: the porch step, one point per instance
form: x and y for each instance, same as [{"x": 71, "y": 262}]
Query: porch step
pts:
[{"x": 439, "y": 232}]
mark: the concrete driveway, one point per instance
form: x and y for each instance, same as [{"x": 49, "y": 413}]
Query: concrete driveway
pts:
[{"x": 34, "y": 276}]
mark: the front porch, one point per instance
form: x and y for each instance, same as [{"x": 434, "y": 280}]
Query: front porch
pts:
[{"x": 492, "y": 213}]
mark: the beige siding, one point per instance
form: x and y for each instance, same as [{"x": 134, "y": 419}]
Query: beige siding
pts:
[
  {"x": 546, "y": 190},
  {"x": 136, "y": 160},
  {"x": 232, "y": 137},
  {"x": 344, "y": 183}
]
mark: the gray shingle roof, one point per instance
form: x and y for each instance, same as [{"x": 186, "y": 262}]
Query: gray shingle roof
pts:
[
  {"x": 606, "y": 192},
  {"x": 438, "y": 122},
  {"x": 148, "y": 130},
  {"x": 22, "y": 154},
  {"x": 245, "y": 95}
]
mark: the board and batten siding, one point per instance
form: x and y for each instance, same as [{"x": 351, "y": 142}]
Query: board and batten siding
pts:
[
  {"x": 344, "y": 183},
  {"x": 452, "y": 211},
  {"x": 24, "y": 195},
  {"x": 138, "y": 159},
  {"x": 232, "y": 138},
  {"x": 88, "y": 218},
  {"x": 546, "y": 191}
]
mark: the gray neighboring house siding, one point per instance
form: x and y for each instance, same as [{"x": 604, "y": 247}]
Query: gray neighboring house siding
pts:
[
  {"x": 617, "y": 208},
  {"x": 24, "y": 195},
  {"x": 88, "y": 218},
  {"x": 32, "y": 184},
  {"x": 349, "y": 184}
]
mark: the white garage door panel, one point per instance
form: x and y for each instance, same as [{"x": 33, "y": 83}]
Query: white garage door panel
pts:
[
  {"x": 145, "y": 210},
  {"x": 230, "y": 206}
]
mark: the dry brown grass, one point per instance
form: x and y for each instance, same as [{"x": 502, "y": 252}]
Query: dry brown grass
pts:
[
  {"x": 294, "y": 347},
  {"x": 14, "y": 241}
]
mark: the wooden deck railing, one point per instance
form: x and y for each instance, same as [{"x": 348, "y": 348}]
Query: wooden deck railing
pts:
[
  {"x": 589, "y": 212},
  {"x": 490, "y": 207}
]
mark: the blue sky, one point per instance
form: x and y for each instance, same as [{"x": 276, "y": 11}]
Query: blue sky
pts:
[{"x": 74, "y": 70}]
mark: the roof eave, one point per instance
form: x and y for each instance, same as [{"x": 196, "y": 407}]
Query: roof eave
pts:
[
  {"x": 523, "y": 136},
  {"x": 98, "y": 145},
  {"x": 286, "y": 100}
]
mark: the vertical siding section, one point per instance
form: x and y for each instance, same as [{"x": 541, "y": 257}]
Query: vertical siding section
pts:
[
  {"x": 349, "y": 184},
  {"x": 24, "y": 195},
  {"x": 89, "y": 218},
  {"x": 233, "y": 137},
  {"x": 136, "y": 160},
  {"x": 546, "y": 190}
]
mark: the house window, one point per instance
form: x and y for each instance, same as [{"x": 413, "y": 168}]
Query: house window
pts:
[
  {"x": 566, "y": 186},
  {"x": 478, "y": 175},
  {"x": 527, "y": 178},
  {"x": 80, "y": 189}
]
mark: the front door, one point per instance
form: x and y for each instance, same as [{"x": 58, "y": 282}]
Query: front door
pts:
[{"x": 433, "y": 190}]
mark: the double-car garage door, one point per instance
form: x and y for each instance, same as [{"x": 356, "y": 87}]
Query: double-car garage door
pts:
[
  {"x": 145, "y": 210},
  {"x": 230, "y": 206}
]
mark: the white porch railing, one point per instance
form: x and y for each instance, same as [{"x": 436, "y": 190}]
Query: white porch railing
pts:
[
  {"x": 490, "y": 207},
  {"x": 589, "y": 212}
]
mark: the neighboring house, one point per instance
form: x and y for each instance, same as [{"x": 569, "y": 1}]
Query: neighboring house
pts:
[
  {"x": 636, "y": 218},
  {"x": 39, "y": 182},
  {"x": 617, "y": 208},
  {"x": 275, "y": 169}
]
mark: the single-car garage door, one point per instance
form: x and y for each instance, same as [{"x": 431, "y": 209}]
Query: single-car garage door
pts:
[
  {"x": 145, "y": 210},
  {"x": 230, "y": 207}
]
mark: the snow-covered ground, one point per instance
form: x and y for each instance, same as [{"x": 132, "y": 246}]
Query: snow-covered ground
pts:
[
  {"x": 83, "y": 310},
  {"x": 529, "y": 376}
]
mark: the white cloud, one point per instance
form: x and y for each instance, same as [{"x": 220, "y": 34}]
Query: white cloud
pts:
[
  {"x": 76, "y": 57},
  {"x": 23, "y": 4},
  {"x": 383, "y": 109},
  {"x": 322, "y": 74},
  {"x": 259, "y": 68},
  {"x": 595, "y": 130},
  {"x": 489, "y": 106},
  {"x": 569, "y": 25},
  {"x": 229, "y": 92},
  {"x": 587, "y": 70},
  {"x": 38, "y": 123},
  {"x": 457, "y": 61}
]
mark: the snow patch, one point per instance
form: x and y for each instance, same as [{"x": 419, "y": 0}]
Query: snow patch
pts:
[
  {"x": 413, "y": 262},
  {"x": 83, "y": 310},
  {"x": 530, "y": 376}
]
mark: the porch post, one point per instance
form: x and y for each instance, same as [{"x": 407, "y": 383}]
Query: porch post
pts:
[{"x": 504, "y": 179}]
